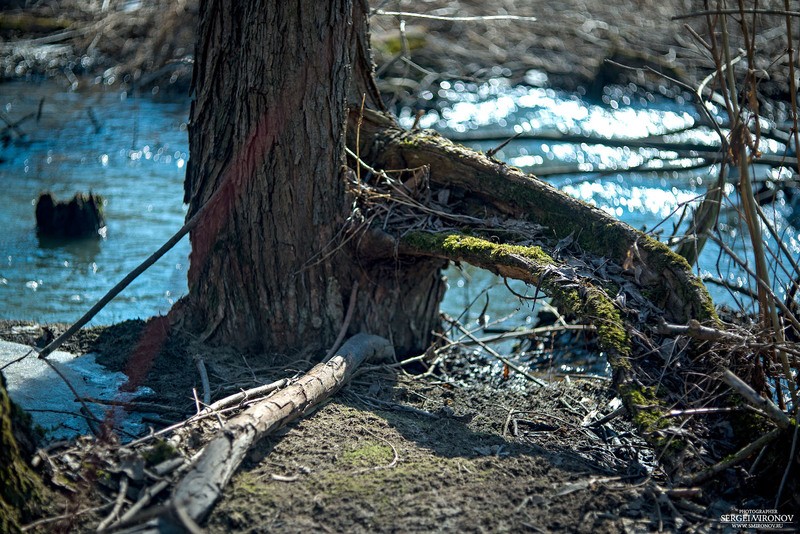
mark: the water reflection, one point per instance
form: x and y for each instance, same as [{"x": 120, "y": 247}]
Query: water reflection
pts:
[
  {"x": 83, "y": 250},
  {"x": 581, "y": 147}
]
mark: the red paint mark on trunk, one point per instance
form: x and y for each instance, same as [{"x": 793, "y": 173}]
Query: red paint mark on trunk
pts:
[{"x": 149, "y": 346}]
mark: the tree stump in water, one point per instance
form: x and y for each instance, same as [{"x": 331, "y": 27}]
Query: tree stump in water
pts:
[{"x": 80, "y": 217}]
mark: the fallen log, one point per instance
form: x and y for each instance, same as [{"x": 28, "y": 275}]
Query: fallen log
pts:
[
  {"x": 201, "y": 487},
  {"x": 614, "y": 277}
]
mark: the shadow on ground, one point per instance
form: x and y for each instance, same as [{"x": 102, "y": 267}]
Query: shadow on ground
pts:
[{"x": 413, "y": 455}]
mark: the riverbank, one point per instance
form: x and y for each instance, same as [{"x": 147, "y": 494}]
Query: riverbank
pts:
[
  {"x": 391, "y": 452},
  {"x": 396, "y": 451},
  {"x": 571, "y": 45},
  {"x": 452, "y": 442}
]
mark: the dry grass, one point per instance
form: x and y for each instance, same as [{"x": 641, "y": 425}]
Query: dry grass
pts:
[{"x": 569, "y": 42}]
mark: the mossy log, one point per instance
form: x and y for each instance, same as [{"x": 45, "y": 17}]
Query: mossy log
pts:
[
  {"x": 620, "y": 279},
  {"x": 20, "y": 487},
  {"x": 533, "y": 265}
]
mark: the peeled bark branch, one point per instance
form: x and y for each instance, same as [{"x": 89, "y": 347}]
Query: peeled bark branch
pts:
[{"x": 202, "y": 486}]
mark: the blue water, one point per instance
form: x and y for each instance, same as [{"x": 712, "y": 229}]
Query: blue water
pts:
[
  {"x": 134, "y": 154},
  {"x": 132, "y": 150}
]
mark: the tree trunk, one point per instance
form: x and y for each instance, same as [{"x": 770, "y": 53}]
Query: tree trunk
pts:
[
  {"x": 291, "y": 230},
  {"x": 268, "y": 268},
  {"x": 19, "y": 485}
]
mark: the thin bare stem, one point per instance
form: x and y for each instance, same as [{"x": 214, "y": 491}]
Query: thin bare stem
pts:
[
  {"x": 345, "y": 325},
  {"x": 483, "y": 18},
  {"x": 131, "y": 276},
  {"x": 755, "y": 11}
]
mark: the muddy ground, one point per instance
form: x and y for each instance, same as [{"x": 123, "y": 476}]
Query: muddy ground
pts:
[
  {"x": 367, "y": 465},
  {"x": 396, "y": 452}
]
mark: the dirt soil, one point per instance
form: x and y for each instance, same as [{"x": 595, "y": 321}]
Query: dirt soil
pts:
[
  {"x": 480, "y": 460},
  {"x": 395, "y": 452}
]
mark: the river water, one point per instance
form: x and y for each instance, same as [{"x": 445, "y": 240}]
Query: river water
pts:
[
  {"x": 133, "y": 152},
  {"x": 133, "y": 149}
]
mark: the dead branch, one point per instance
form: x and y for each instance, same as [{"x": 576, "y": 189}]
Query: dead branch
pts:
[
  {"x": 699, "y": 331},
  {"x": 741, "y": 387},
  {"x": 732, "y": 460},
  {"x": 205, "y": 480}
]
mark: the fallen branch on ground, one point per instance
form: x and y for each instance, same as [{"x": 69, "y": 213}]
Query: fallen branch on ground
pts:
[{"x": 202, "y": 485}]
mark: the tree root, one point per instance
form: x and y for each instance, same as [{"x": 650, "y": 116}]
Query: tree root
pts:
[
  {"x": 490, "y": 187},
  {"x": 534, "y": 266}
]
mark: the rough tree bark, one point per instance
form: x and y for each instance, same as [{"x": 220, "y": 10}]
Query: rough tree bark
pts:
[
  {"x": 20, "y": 488},
  {"x": 267, "y": 269}
]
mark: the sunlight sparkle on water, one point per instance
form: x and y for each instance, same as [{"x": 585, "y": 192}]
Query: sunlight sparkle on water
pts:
[
  {"x": 534, "y": 109},
  {"x": 617, "y": 198}
]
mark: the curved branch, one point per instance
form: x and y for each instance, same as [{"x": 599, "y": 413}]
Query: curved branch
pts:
[
  {"x": 533, "y": 265},
  {"x": 489, "y": 184}
]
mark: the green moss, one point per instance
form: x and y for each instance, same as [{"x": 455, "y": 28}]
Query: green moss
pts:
[
  {"x": 648, "y": 412},
  {"x": 160, "y": 452},
  {"x": 645, "y": 407},
  {"x": 404, "y": 480},
  {"x": 473, "y": 247},
  {"x": 594, "y": 304},
  {"x": 747, "y": 425},
  {"x": 394, "y": 45},
  {"x": 599, "y": 310},
  {"x": 101, "y": 474},
  {"x": 420, "y": 138},
  {"x": 459, "y": 244},
  {"x": 338, "y": 482},
  {"x": 662, "y": 259},
  {"x": 24, "y": 420},
  {"x": 589, "y": 302},
  {"x": 610, "y": 328},
  {"x": 369, "y": 455}
]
